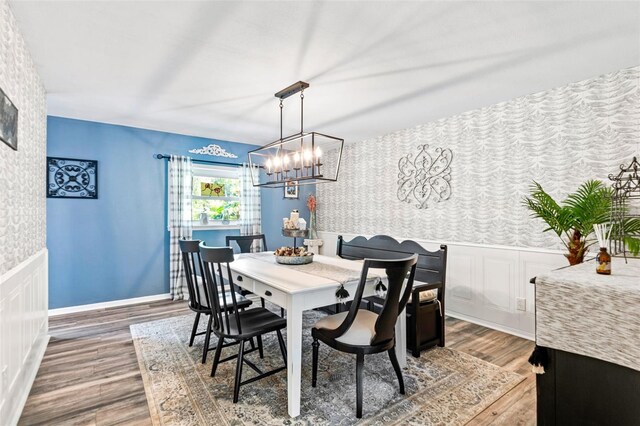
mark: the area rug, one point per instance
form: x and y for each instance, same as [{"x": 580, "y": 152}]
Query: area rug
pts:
[{"x": 443, "y": 386}]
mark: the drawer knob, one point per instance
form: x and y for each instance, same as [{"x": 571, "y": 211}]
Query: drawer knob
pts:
[
  {"x": 239, "y": 278},
  {"x": 267, "y": 293}
]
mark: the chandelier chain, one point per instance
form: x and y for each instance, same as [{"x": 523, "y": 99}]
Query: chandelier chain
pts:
[
  {"x": 281, "y": 109},
  {"x": 301, "y": 110}
]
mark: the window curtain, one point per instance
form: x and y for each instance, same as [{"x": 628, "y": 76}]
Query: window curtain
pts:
[
  {"x": 179, "y": 220},
  {"x": 250, "y": 222}
]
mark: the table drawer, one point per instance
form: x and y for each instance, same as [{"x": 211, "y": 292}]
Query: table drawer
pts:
[
  {"x": 271, "y": 294},
  {"x": 241, "y": 280}
]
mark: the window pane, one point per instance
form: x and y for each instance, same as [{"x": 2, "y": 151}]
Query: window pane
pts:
[
  {"x": 216, "y": 209},
  {"x": 207, "y": 186}
]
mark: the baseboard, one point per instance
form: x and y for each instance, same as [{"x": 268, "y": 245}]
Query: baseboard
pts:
[
  {"x": 38, "y": 355},
  {"x": 111, "y": 304},
  {"x": 491, "y": 325}
]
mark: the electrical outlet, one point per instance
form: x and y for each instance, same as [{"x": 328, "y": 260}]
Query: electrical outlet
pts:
[{"x": 521, "y": 303}]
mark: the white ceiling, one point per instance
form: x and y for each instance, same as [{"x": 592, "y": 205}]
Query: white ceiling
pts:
[{"x": 211, "y": 68}]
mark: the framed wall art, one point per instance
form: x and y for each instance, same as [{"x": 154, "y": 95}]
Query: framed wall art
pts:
[
  {"x": 291, "y": 190},
  {"x": 72, "y": 178},
  {"x": 8, "y": 121}
]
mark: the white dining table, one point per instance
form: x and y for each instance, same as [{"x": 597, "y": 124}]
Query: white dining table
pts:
[{"x": 297, "y": 291}]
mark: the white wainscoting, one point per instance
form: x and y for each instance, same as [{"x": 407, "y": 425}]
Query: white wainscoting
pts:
[
  {"x": 23, "y": 332},
  {"x": 484, "y": 282}
]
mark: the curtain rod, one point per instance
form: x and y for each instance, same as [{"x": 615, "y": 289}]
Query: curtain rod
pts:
[{"x": 222, "y": 163}]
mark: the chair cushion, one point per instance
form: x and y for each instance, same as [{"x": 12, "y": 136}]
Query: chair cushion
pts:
[
  {"x": 426, "y": 296},
  {"x": 361, "y": 331}
]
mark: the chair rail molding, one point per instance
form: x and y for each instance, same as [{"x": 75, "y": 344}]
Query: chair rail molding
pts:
[
  {"x": 23, "y": 332},
  {"x": 484, "y": 282}
]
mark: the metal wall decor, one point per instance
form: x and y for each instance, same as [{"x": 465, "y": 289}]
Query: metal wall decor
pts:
[
  {"x": 214, "y": 150},
  {"x": 625, "y": 204},
  {"x": 296, "y": 157},
  {"x": 425, "y": 176},
  {"x": 72, "y": 178},
  {"x": 8, "y": 121}
]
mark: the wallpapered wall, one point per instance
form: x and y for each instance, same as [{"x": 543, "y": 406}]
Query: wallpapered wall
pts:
[
  {"x": 560, "y": 138},
  {"x": 22, "y": 172}
]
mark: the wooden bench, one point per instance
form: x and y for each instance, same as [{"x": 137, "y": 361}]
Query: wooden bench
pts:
[{"x": 425, "y": 319}]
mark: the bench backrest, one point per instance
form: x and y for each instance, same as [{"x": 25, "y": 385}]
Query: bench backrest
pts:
[{"x": 432, "y": 265}]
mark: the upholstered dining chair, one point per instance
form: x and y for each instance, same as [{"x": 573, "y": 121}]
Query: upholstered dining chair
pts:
[
  {"x": 231, "y": 323},
  {"x": 426, "y": 318},
  {"x": 245, "y": 242},
  {"x": 198, "y": 292},
  {"x": 362, "y": 332}
]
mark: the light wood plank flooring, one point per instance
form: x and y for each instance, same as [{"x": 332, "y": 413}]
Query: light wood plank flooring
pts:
[{"x": 90, "y": 374}]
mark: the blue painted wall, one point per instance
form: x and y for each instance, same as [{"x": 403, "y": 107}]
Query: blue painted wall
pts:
[
  {"x": 275, "y": 207},
  {"x": 117, "y": 247}
]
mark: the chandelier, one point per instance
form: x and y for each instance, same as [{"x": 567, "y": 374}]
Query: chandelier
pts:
[{"x": 296, "y": 159}]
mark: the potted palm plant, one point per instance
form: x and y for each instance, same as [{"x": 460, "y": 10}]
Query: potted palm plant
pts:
[{"x": 573, "y": 219}]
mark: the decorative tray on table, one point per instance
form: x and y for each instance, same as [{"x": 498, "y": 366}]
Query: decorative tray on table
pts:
[
  {"x": 295, "y": 233},
  {"x": 293, "y": 256}
]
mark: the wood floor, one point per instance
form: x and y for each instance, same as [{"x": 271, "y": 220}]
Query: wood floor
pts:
[{"x": 90, "y": 374}]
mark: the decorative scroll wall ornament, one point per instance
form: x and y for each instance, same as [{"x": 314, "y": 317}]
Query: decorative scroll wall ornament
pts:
[
  {"x": 425, "y": 176},
  {"x": 214, "y": 150},
  {"x": 72, "y": 178}
]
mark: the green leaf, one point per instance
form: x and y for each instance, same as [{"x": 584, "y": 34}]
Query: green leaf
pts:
[
  {"x": 633, "y": 245},
  {"x": 589, "y": 205},
  {"x": 544, "y": 207}
]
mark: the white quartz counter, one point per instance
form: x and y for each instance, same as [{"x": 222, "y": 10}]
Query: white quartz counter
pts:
[{"x": 589, "y": 314}]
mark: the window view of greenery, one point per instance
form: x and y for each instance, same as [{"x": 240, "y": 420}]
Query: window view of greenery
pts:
[{"x": 218, "y": 197}]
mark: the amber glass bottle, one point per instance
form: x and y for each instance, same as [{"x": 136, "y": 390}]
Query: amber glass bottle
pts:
[{"x": 603, "y": 262}]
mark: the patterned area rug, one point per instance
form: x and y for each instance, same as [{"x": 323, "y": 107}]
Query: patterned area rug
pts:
[{"x": 443, "y": 386}]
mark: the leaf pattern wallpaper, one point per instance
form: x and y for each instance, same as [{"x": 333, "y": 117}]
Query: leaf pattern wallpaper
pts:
[
  {"x": 560, "y": 137},
  {"x": 22, "y": 172}
]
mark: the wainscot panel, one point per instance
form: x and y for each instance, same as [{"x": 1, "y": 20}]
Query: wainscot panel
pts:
[
  {"x": 23, "y": 332},
  {"x": 484, "y": 282}
]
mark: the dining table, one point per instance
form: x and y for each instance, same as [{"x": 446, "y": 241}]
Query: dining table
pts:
[{"x": 298, "y": 288}]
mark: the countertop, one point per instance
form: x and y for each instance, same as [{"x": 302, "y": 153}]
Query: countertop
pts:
[{"x": 580, "y": 311}]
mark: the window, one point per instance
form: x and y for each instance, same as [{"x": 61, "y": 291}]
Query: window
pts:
[{"x": 216, "y": 192}]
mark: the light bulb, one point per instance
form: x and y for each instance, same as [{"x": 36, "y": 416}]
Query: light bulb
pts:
[{"x": 318, "y": 152}]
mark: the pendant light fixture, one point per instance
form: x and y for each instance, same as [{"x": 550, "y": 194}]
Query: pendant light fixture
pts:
[{"x": 296, "y": 159}]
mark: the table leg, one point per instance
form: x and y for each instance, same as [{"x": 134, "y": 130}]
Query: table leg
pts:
[
  {"x": 294, "y": 357},
  {"x": 401, "y": 339}
]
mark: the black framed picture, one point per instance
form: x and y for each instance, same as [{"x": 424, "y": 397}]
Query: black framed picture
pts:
[
  {"x": 8, "y": 121},
  {"x": 291, "y": 190},
  {"x": 72, "y": 178}
]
